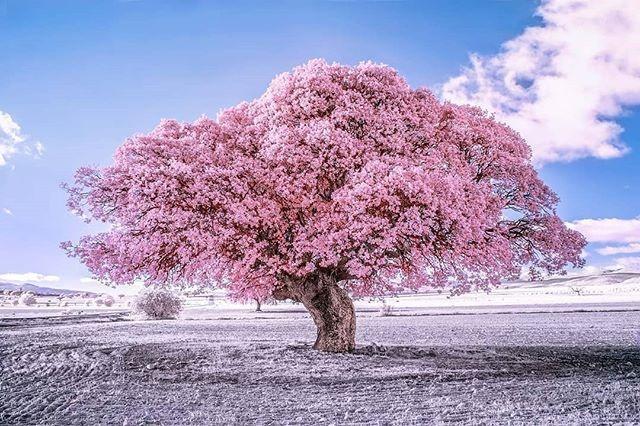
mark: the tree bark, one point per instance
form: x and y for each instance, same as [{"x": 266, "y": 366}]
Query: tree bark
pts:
[
  {"x": 330, "y": 307},
  {"x": 258, "y": 305}
]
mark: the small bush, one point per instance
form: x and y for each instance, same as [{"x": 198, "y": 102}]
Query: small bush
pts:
[
  {"x": 386, "y": 310},
  {"x": 158, "y": 304},
  {"x": 106, "y": 300},
  {"x": 27, "y": 299}
]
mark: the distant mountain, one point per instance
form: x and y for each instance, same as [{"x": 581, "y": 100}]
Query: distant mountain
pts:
[{"x": 41, "y": 291}]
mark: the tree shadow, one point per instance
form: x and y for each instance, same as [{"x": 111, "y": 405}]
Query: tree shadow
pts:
[{"x": 516, "y": 360}]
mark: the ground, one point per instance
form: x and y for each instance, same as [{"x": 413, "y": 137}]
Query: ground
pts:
[{"x": 560, "y": 365}]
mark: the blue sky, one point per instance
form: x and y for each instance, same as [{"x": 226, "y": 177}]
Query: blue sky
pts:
[{"x": 79, "y": 77}]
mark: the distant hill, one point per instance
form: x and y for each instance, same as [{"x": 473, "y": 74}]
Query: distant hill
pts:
[
  {"x": 41, "y": 291},
  {"x": 608, "y": 277}
]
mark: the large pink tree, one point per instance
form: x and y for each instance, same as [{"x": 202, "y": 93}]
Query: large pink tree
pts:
[{"x": 338, "y": 180}]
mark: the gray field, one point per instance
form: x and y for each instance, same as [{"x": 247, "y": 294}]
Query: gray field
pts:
[{"x": 560, "y": 368}]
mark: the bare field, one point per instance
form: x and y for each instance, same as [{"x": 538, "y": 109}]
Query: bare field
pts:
[{"x": 243, "y": 367}]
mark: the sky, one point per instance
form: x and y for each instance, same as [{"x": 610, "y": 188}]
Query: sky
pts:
[{"x": 77, "y": 78}]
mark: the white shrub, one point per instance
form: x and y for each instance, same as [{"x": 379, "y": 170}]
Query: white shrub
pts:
[
  {"x": 106, "y": 300},
  {"x": 158, "y": 304},
  {"x": 27, "y": 299}
]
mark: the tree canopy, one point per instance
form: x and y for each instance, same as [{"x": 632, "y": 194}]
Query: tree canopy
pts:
[{"x": 339, "y": 170}]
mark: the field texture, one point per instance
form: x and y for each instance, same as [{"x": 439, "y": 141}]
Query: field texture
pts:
[{"x": 239, "y": 367}]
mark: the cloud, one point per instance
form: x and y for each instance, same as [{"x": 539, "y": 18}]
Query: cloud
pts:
[
  {"x": 10, "y": 137},
  {"x": 7, "y": 211},
  {"x": 623, "y": 233},
  {"x": 625, "y": 249},
  {"x": 88, "y": 280},
  {"x": 12, "y": 141},
  {"x": 562, "y": 84},
  {"x": 39, "y": 148},
  {"x": 626, "y": 264},
  {"x": 29, "y": 277},
  {"x": 611, "y": 230}
]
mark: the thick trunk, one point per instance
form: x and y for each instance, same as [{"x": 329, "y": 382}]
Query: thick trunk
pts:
[
  {"x": 330, "y": 307},
  {"x": 258, "y": 306}
]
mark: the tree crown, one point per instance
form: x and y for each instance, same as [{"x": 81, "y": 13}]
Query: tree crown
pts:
[{"x": 335, "y": 169}]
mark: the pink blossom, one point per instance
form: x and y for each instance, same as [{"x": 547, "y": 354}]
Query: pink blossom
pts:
[{"x": 346, "y": 170}]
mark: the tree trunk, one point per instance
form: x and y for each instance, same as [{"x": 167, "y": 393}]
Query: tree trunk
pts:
[
  {"x": 258, "y": 305},
  {"x": 330, "y": 307}
]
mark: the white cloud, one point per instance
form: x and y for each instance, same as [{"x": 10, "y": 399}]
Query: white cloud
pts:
[
  {"x": 7, "y": 211},
  {"x": 627, "y": 264},
  {"x": 610, "y": 230},
  {"x": 623, "y": 233},
  {"x": 87, "y": 280},
  {"x": 12, "y": 141},
  {"x": 562, "y": 83},
  {"x": 625, "y": 249},
  {"x": 39, "y": 149},
  {"x": 10, "y": 137},
  {"x": 585, "y": 270},
  {"x": 29, "y": 277}
]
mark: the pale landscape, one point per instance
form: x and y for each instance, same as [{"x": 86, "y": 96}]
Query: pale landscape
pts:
[
  {"x": 330, "y": 212},
  {"x": 572, "y": 358}
]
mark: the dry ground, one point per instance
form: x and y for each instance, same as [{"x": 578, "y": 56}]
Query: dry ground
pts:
[{"x": 561, "y": 368}]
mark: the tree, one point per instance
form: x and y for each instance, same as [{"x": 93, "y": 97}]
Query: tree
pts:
[
  {"x": 338, "y": 180},
  {"x": 106, "y": 300},
  {"x": 27, "y": 299},
  {"x": 259, "y": 295}
]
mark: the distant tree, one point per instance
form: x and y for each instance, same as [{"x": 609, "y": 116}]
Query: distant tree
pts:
[
  {"x": 105, "y": 300},
  {"x": 257, "y": 295},
  {"x": 337, "y": 180},
  {"x": 158, "y": 304},
  {"x": 27, "y": 299}
]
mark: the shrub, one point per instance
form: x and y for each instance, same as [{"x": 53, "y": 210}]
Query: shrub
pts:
[
  {"x": 27, "y": 299},
  {"x": 158, "y": 304},
  {"x": 106, "y": 300},
  {"x": 386, "y": 310}
]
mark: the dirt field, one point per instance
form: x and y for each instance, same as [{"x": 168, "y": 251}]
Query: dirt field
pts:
[{"x": 239, "y": 367}]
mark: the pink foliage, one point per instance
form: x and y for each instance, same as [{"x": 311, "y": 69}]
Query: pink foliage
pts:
[{"x": 346, "y": 170}]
